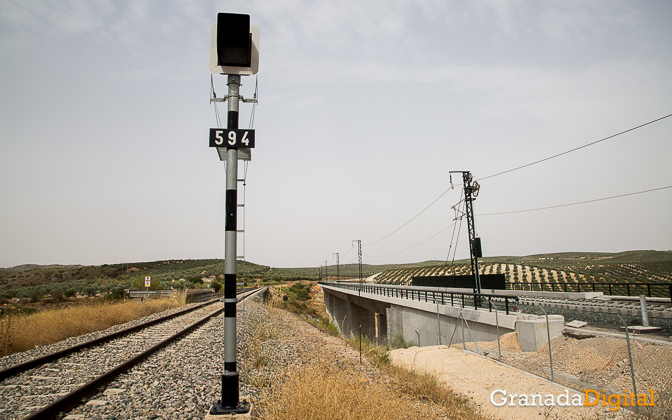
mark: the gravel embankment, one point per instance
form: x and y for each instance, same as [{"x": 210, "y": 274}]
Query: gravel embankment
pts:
[{"x": 183, "y": 380}]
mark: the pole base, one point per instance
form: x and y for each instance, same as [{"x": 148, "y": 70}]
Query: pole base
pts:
[{"x": 219, "y": 412}]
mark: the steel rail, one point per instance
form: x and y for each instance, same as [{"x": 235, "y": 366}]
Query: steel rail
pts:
[
  {"x": 72, "y": 399},
  {"x": 22, "y": 367},
  {"x": 38, "y": 361}
]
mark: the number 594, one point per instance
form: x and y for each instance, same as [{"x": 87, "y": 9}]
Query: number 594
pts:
[{"x": 235, "y": 138}]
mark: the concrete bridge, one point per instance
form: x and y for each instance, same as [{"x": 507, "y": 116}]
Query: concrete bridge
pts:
[{"x": 431, "y": 316}]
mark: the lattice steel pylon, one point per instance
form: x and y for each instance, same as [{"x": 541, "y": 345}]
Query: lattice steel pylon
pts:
[
  {"x": 471, "y": 189},
  {"x": 359, "y": 298}
]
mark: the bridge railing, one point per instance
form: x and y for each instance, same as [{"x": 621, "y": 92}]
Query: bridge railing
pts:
[{"x": 475, "y": 300}]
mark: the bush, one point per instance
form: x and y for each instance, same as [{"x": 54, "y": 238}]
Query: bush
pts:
[
  {"x": 35, "y": 296},
  {"x": 70, "y": 293},
  {"x": 195, "y": 280},
  {"x": 57, "y": 295},
  {"x": 91, "y": 290},
  {"x": 180, "y": 285},
  {"x": 117, "y": 293},
  {"x": 298, "y": 292},
  {"x": 216, "y": 286}
]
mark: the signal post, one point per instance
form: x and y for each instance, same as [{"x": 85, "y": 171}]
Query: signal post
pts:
[{"x": 234, "y": 52}]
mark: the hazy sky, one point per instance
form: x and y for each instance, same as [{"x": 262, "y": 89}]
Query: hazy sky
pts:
[{"x": 364, "y": 109}]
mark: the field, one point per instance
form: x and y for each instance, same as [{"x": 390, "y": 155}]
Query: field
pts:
[
  {"x": 569, "y": 269},
  {"x": 34, "y": 283},
  {"x": 53, "y": 285}
]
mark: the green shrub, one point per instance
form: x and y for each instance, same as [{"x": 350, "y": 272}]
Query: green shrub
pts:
[
  {"x": 117, "y": 293},
  {"x": 35, "y": 295},
  {"x": 398, "y": 341},
  {"x": 195, "y": 280},
  {"x": 70, "y": 293},
  {"x": 298, "y": 291},
  {"x": 216, "y": 286},
  {"x": 179, "y": 285}
]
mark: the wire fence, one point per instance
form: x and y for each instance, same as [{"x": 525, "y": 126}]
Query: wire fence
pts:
[{"x": 615, "y": 366}]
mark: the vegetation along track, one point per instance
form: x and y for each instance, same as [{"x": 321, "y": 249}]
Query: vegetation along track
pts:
[{"x": 44, "y": 387}]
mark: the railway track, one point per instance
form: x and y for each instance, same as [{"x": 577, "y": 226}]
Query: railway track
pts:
[{"x": 47, "y": 386}]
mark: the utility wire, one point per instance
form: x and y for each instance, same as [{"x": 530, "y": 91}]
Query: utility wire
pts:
[
  {"x": 413, "y": 218},
  {"x": 254, "y": 105},
  {"x": 575, "y": 149},
  {"x": 577, "y": 203},
  {"x": 214, "y": 96},
  {"x": 456, "y": 207},
  {"x": 517, "y": 168},
  {"x": 419, "y": 243}
]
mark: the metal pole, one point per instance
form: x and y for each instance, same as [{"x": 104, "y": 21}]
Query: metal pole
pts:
[
  {"x": 645, "y": 314},
  {"x": 230, "y": 401},
  {"x": 326, "y": 271},
  {"x": 338, "y": 274},
  {"x": 632, "y": 368},
  {"x": 499, "y": 346},
  {"x": 438, "y": 322},
  {"x": 470, "y": 192},
  {"x": 359, "y": 300},
  {"x": 550, "y": 353}
]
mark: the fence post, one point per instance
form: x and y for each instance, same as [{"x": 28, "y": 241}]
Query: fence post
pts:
[
  {"x": 645, "y": 314},
  {"x": 499, "y": 347},
  {"x": 550, "y": 353},
  {"x": 438, "y": 322},
  {"x": 632, "y": 368}
]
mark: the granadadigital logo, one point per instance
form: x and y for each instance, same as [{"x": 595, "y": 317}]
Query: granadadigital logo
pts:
[{"x": 500, "y": 398}]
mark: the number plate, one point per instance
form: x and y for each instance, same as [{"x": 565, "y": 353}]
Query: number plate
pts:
[{"x": 233, "y": 138}]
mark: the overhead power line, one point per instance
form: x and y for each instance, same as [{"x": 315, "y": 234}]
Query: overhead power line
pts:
[
  {"x": 525, "y": 166},
  {"x": 521, "y": 167},
  {"x": 410, "y": 247},
  {"x": 577, "y": 203},
  {"x": 575, "y": 149},
  {"x": 413, "y": 218}
]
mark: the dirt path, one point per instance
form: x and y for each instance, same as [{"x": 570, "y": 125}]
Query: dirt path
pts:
[{"x": 477, "y": 377}]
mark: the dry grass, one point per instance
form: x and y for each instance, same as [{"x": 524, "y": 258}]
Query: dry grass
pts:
[
  {"x": 325, "y": 392},
  {"x": 255, "y": 354},
  {"x": 426, "y": 388},
  {"x": 21, "y": 333},
  {"x": 322, "y": 390},
  {"x": 419, "y": 387}
]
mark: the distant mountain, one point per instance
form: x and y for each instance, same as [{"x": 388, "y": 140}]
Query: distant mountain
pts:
[{"x": 28, "y": 267}]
